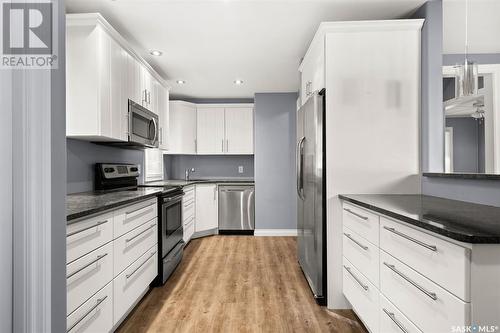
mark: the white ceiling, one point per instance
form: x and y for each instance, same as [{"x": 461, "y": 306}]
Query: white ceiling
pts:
[
  {"x": 484, "y": 26},
  {"x": 211, "y": 43}
]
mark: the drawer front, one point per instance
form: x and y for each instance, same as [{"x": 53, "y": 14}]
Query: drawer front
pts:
[
  {"x": 133, "y": 282},
  {"x": 87, "y": 275},
  {"x": 133, "y": 244},
  {"x": 362, "y": 254},
  {"x": 188, "y": 221},
  {"x": 95, "y": 315},
  {"x": 131, "y": 217},
  {"x": 188, "y": 193},
  {"x": 393, "y": 321},
  {"x": 188, "y": 231},
  {"x": 188, "y": 211},
  {"x": 428, "y": 306},
  {"x": 361, "y": 221},
  {"x": 87, "y": 235},
  {"x": 444, "y": 263},
  {"x": 362, "y": 294}
]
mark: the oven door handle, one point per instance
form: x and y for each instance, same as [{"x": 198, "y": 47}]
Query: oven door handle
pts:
[{"x": 177, "y": 197}]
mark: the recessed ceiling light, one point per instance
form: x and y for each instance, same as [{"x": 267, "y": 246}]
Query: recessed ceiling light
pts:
[
  {"x": 156, "y": 53},
  {"x": 238, "y": 82},
  {"x": 180, "y": 82}
]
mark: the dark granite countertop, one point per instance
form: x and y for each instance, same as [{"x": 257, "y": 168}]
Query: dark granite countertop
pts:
[
  {"x": 462, "y": 221},
  {"x": 456, "y": 175},
  {"x": 87, "y": 203},
  {"x": 180, "y": 182}
]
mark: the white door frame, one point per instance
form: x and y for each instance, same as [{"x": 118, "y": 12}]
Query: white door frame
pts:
[{"x": 38, "y": 218}]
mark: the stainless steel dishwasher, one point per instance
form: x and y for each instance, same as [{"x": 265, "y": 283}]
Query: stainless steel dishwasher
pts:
[{"x": 236, "y": 209}]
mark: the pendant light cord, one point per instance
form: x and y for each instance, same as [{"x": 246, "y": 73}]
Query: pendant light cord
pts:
[{"x": 466, "y": 28}]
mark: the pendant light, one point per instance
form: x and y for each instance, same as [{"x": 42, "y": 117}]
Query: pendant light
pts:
[{"x": 467, "y": 73}]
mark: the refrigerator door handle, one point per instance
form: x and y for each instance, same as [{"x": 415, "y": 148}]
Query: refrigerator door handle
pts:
[{"x": 299, "y": 161}]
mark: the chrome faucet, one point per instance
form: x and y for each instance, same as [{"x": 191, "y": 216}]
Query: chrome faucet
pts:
[{"x": 186, "y": 173}]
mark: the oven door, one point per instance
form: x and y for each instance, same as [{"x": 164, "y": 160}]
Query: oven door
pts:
[
  {"x": 143, "y": 125},
  {"x": 171, "y": 223}
]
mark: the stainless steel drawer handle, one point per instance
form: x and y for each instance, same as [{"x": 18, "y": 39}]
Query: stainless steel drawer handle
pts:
[
  {"x": 364, "y": 247},
  {"x": 348, "y": 269},
  {"x": 138, "y": 267},
  {"x": 397, "y": 322},
  {"x": 138, "y": 209},
  {"x": 427, "y": 246},
  {"x": 99, "y": 301},
  {"x": 86, "y": 228},
  {"x": 142, "y": 232},
  {"x": 356, "y": 214},
  {"x": 99, "y": 257},
  {"x": 413, "y": 283}
]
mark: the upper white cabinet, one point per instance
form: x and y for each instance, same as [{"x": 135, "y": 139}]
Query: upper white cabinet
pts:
[
  {"x": 210, "y": 130},
  {"x": 312, "y": 70},
  {"x": 162, "y": 96},
  {"x": 239, "y": 130},
  {"x": 182, "y": 128},
  {"x": 225, "y": 129},
  {"x": 103, "y": 73}
]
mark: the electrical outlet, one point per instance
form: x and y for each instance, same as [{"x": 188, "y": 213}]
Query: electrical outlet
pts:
[{"x": 240, "y": 169}]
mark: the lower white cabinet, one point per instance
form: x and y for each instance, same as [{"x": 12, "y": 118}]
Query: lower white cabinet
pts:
[
  {"x": 95, "y": 315},
  {"x": 188, "y": 212},
  {"x": 133, "y": 282},
  {"x": 362, "y": 294},
  {"x": 207, "y": 217},
  {"x": 393, "y": 321},
  {"x": 87, "y": 275},
  {"x": 112, "y": 259},
  {"x": 424, "y": 282}
]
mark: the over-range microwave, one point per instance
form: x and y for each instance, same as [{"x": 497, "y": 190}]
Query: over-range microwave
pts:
[{"x": 142, "y": 128}]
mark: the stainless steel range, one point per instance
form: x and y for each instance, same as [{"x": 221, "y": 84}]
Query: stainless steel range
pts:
[{"x": 123, "y": 177}]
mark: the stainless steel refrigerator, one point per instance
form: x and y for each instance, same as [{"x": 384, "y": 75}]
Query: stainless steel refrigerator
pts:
[{"x": 311, "y": 194}]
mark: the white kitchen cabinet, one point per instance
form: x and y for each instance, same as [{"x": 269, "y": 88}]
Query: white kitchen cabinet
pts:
[
  {"x": 119, "y": 90},
  {"x": 182, "y": 128},
  {"x": 312, "y": 70},
  {"x": 210, "y": 130},
  {"x": 103, "y": 73},
  {"x": 111, "y": 261},
  {"x": 207, "y": 217},
  {"x": 239, "y": 130},
  {"x": 153, "y": 164},
  {"x": 134, "y": 79},
  {"x": 162, "y": 105}
]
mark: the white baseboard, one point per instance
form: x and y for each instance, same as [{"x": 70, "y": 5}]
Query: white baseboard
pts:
[{"x": 275, "y": 232}]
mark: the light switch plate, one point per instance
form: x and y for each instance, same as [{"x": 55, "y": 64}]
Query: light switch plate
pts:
[{"x": 240, "y": 169}]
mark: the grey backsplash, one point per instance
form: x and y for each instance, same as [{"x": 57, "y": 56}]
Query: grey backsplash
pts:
[
  {"x": 218, "y": 166},
  {"x": 82, "y": 156}
]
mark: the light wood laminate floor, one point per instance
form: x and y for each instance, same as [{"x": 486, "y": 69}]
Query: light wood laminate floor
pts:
[{"x": 237, "y": 284}]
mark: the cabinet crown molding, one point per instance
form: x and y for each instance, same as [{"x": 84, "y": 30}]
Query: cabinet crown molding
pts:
[{"x": 96, "y": 19}]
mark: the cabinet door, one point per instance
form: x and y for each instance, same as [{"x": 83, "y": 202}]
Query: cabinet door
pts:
[
  {"x": 134, "y": 80},
  {"x": 153, "y": 164},
  {"x": 313, "y": 71},
  {"x": 146, "y": 88},
  {"x": 163, "y": 114},
  {"x": 239, "y": 131},
  {"x": 182, "y": 128},
  {"x": 206, "y": 207},
  {"x": 210, "y": 130},
  {"x": 119, "y": 87}
]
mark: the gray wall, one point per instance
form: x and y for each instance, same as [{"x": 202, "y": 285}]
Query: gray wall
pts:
[
  {"x": 484, "y": 58},
  {"x": 432, "y": 121},
  {"x": 466, "y": 144},
  {"x": 477, "y": 191},
  {"x": 220, "y": 166},
  {"x": 82, "y": 155},
  {"x": 275, "y": 131}
]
